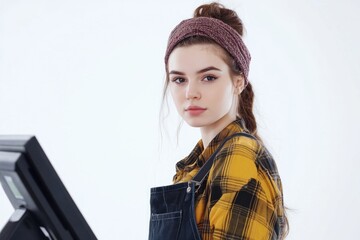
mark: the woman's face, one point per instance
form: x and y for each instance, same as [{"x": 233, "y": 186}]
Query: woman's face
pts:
[{"x": 201, "y": 85}]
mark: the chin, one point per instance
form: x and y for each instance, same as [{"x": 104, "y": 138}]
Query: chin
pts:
[{"x": 195, "y": 122}]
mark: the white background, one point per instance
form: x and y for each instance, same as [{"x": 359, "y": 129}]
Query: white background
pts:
[{"x": 86, "y": 78}]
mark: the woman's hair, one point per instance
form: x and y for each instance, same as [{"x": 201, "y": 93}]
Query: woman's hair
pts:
[{"x": 246, "y": 98}]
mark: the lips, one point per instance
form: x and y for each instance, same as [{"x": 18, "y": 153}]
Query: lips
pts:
[
  {"x": 192, "y": 108},
  {"x": 195, "y": 110}
]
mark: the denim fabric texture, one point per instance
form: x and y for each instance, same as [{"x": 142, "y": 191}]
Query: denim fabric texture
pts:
[{"x": 172, "y": 213}]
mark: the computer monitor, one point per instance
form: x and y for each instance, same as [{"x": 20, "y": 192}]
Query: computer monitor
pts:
[{"x": 43, "y": 207}]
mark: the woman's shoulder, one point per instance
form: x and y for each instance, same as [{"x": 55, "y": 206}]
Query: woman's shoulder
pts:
[
  {"x": 236, "y": 159},
  {"x": 246, "y": 154},
  {"x": 251, "y": 148},
  {"x": 242, "y": 146}
]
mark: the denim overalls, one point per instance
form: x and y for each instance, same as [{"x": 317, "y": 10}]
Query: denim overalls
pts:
[{"x": 172, "y": 207}]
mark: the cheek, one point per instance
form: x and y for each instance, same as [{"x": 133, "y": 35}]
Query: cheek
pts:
[
  {"x": 176, "y": 95},
  {"x": 224, "y": 96}
]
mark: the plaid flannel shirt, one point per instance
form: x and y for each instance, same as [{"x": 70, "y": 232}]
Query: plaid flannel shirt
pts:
[{"x": 242, "y": 197}]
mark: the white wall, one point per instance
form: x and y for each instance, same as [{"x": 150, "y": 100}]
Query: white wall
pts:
[{"x": 86, "y": 77}]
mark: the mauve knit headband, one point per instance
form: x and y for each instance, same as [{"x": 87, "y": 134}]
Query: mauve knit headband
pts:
[{"x": 217, "y": 30}]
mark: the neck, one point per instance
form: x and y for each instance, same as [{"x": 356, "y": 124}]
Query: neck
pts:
[{"x": 210, "y": 131}]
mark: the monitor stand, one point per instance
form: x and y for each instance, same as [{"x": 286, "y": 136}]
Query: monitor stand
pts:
[{"x": 22, "y": 225}]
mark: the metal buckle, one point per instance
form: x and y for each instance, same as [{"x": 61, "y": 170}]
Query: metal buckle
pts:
[{"x": 197, "y": 186}]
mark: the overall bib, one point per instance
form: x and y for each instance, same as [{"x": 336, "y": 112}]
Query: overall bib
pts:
[{"x": 172, "y": 207}]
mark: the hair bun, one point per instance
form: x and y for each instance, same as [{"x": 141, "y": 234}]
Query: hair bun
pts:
[{"x": 218, "y": 11}]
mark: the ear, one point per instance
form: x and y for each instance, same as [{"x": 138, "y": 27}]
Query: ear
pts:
[{"x": 238, "y": 84}]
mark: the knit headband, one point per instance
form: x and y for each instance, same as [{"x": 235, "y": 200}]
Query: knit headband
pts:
[{"x": 217, "y": 30}]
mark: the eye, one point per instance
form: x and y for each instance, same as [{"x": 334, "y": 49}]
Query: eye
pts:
[
  {"x": 209, "y": 78},
  {"x": 178, "y": 80}
]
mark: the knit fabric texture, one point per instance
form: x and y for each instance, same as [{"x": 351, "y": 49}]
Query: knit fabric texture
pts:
[{"x": 215, "y": 29}]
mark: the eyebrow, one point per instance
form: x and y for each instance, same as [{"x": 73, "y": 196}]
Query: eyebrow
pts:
[{"x": 200, "y": 71}]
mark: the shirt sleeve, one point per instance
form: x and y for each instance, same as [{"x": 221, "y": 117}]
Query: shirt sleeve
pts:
[{"x": 239, "y": 205}]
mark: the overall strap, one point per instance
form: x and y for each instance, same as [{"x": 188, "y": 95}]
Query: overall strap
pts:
[{"x": 204, "y": 170}]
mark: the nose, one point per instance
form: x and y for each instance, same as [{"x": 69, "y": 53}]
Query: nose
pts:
[{"x": 192, "y": 91}]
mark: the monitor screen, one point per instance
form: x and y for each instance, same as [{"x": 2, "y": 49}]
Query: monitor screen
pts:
[{"x": 43, "y": 207}]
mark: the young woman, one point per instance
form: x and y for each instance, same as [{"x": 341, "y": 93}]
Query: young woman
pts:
[{"x": 228, "y": 187}]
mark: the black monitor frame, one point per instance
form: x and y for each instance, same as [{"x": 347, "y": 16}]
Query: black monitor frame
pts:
[{"x": 43, "y": 207}]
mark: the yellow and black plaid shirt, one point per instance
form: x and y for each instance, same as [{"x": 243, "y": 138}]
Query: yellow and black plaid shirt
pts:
[{"x": 242, "y": 198}]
